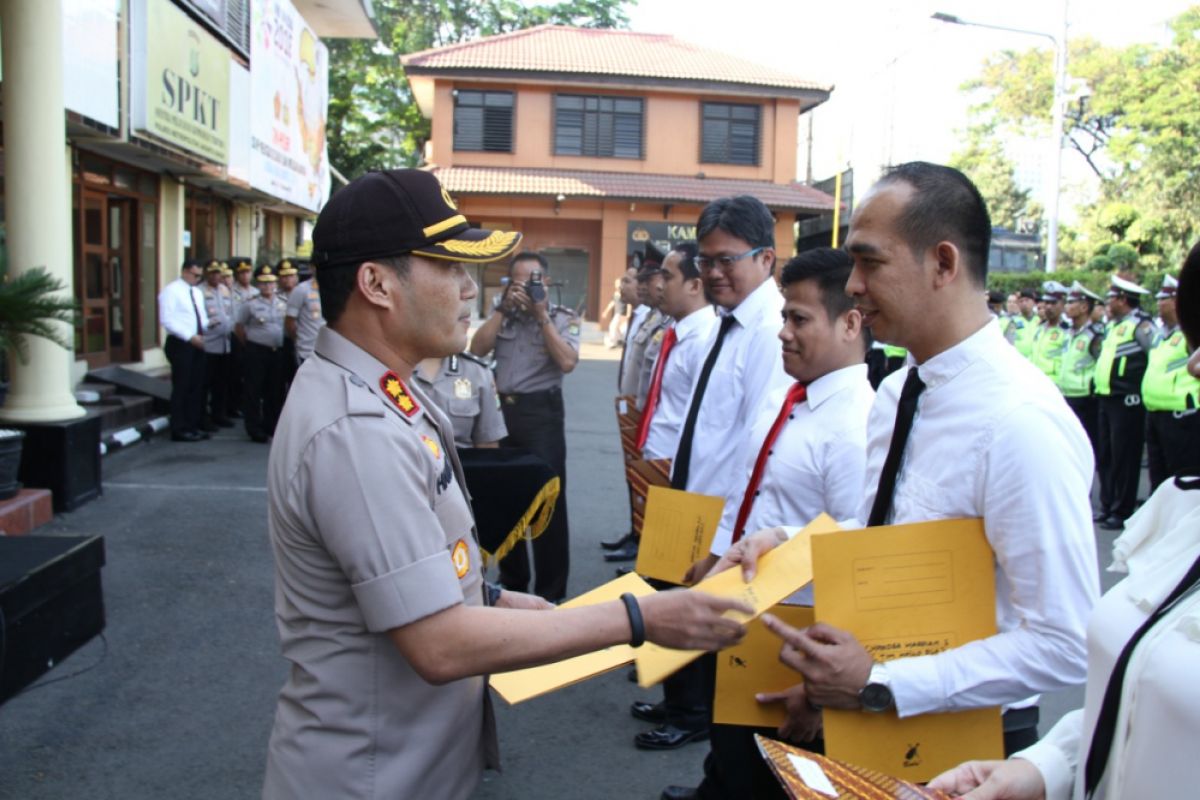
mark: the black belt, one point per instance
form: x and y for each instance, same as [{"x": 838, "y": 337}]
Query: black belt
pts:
[
  {"x": 268, "y": 348},
  {"x": 530, "y": 398},
  {"x": 1018, "y": 719}
]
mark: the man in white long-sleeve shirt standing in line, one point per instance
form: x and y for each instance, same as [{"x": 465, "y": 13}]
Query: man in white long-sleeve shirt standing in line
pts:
[
  {"x": 181, "y": 312},
  {"x": 969, "y": 428}
]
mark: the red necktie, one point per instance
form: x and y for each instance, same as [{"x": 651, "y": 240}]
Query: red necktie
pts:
[
  {"x": 655, "y": 388},
  {"x": 796, "y": 394}
]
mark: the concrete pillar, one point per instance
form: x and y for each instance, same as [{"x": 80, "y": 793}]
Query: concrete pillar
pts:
[{"x": 37, "y": 186}]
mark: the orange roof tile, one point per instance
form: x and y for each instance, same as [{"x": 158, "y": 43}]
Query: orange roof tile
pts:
[
  {"x": 591, "y": 51},
  {"x": 626, "y": 186}
]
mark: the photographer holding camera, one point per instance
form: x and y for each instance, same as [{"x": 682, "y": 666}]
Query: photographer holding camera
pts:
[{"x": 535, "y": 344}]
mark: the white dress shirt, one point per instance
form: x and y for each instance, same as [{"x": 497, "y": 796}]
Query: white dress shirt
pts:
[
  {"x": 683, "y": 365},
  {"x": 176, "y": 312},
  {"x": 1158, "y": 722},
  {"x": 748, "y": 369},
  {"x": 816, "y": 464},
  {"x": 993, "y": 438}
]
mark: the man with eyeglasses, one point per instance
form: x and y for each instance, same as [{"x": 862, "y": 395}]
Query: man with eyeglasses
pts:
[
  {"x": 181, "y": 312},
  {"x": 742, "y": 366}
]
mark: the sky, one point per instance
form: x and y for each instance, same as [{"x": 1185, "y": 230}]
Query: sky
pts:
[{"x": 896, "y": 72}]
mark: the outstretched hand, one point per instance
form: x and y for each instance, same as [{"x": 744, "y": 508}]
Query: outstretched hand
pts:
[
  {"x": 1014, "y": 779},
  {"x": 803, "y": 723},
  {"x": 749, "y": 550},
  {"x": 687, "y": 620},
  {"x": 834, "y": 665}
]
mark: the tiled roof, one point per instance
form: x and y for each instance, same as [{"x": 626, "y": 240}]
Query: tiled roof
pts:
[
  {"x": 590, "y": 51},
  {"x": 516, "y": 181}
]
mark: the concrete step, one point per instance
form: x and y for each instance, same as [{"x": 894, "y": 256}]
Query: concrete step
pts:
[
  {"x": 88, "y": 393},
  {"x": 122, "y": 411}
]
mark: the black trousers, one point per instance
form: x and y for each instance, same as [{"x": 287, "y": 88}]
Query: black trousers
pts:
[
  {"x": 237, "y": 366},
  {"x": 688, "y": 693},
  {"x": 1085, "y": 409},
  {"x": 1172, "y": 443},
  {"x": 217, "y": 367},
  {"x": 535, "y": 422},
  {"x": 187, "y": 385},
  {"x": 1120, "y": 437},
  {"x": 262, "y": 388}
]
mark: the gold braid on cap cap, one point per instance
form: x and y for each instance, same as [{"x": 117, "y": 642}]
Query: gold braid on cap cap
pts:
[{"x": 495, "y": 242}]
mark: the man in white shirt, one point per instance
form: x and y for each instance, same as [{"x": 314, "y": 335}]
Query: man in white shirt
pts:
[
  {"x": 806, "y": 454},
  {"x": 992, "y": 438},
  {"x": 181, "y": 312}
]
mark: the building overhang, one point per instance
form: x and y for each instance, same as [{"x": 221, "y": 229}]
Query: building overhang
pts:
[{"x": 339, "y": 19}]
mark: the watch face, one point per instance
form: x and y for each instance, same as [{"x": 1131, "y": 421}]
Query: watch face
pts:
[{"x": 875, "y": 697}]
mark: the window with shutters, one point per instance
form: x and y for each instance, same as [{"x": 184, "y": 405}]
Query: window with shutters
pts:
[
  {"x": 483, "y": 121},
  {"x": 729, "y": 134},
  {"x": 596, "y": 125}
]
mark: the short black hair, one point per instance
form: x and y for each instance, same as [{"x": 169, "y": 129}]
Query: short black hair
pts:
[
  {"x": 336, "y": 282},
  {"x": 1187, "y": 297},
  {"x": 687, "y": 264},
  {"x": 744, "y": 216},
  {"x": 945, "y": 206},
  {"x": 529, "y": 255},
  {"x": 191, "y": 263},
  {"x": 830, "y": 270}
]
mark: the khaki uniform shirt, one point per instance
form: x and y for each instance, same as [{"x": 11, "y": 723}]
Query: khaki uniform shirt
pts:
[
  {"x": 523, "y": 364},
  {"x": 263, "y": 320},
  {"x": 650, "y": 357},
  {"x": 240, "y": 295},
  {"x": 218, "y": 305},
  {"x": 635, "y": 354},
  {"x": 304, "y": 306},
  {"x": 371, "y": 530},
  {"x": 465, "y": 391}
]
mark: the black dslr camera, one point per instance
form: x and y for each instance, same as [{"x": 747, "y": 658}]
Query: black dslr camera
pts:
[{"x": 535, "y": 288}]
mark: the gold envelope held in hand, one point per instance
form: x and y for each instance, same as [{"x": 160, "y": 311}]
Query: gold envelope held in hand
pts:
[
  {"x": 909, "y": 590},
  {"x": 751, "y": 666},
  {"x": 677, "y": 531}
]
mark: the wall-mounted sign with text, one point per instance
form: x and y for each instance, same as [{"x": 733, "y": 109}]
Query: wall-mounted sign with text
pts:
[
  {"x": 663, "y": 235},
  {"x": 289, "y": 98},
  {"x": 180, "y": 73}
]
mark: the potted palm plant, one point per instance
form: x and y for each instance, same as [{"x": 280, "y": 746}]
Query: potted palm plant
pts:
[{"x": 30, "y": 304}]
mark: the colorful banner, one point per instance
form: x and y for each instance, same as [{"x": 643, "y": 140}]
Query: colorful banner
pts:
[
  {"x": 180, "y": 80},
  {"x": 289, "y": 95}
]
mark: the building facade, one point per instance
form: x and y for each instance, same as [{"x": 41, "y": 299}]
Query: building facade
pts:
[{"x": 595, "y": 142}]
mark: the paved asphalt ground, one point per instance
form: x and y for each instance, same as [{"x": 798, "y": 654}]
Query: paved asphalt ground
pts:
[{"x": 178, "y": 701}]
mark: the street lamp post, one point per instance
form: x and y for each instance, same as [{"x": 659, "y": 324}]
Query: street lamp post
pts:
[{"x": 1056, "y": 116}]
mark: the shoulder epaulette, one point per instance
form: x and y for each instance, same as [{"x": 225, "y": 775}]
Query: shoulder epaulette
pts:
[{"x": 562, "y": 310}]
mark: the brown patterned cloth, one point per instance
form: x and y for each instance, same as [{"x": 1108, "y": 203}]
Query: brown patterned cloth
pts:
[{"x": 852, "y": 782}]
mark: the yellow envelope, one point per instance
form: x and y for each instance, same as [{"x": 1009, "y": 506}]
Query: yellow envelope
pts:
[
  {"x": 781, "y": 572},
  {"x": 908, "y": 590},
  {"x": 524, "y": 684},
  {"x": 753, "y": 666},
  {"x": 677, "y": 531}
]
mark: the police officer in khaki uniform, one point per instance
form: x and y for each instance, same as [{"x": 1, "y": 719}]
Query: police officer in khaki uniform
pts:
[
  {"x": 242, "y": 291},
  {"x": 304, "y": 318},
  {"x": 379, "y": 585},
  {"x": 260, "y": 329},
  {"x": 535, "y": 344},
  {"x": 288, "y": 277},
  {"x": 634, "y": 358},
  {"x": 218, "y": 305},
  {"x": 650, "y": 336},
  {"x": 464, "y": 389}
]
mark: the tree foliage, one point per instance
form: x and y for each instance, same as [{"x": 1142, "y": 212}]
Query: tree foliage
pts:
[
  {"x": 984, "y": 161},
  {"x": 1132, "y": 115},
  {"x": 373, "y": 122}
]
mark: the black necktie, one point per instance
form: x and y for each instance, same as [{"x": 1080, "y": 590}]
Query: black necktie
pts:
[
  {"x": 905, "y": 411},
  {"x": 1106, "y": 720},
  {"x": 195, "y": 310},
  {"x": 683, "y": 456}
]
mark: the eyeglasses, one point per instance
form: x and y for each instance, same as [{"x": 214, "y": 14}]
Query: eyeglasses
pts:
[{"x": 707, "y": 263}]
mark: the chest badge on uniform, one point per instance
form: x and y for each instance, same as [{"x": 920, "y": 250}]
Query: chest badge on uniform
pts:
[
  {"x": 573, "y": 329},
  {"x": 462, "y": 389},
  {"x": 394, "y": 388},
  {"x": 461, "y": 556},
  {"x": 433, "y": 446}
]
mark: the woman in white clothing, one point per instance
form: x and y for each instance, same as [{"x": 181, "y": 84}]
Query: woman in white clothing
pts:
[{"x": 1141, "y": 736}]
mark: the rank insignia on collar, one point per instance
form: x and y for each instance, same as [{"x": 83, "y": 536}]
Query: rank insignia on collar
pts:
[
  {"x": 462, "y": 389},
  {"x": 433, "y": 446},
  {"x": 394, "y": 388}
]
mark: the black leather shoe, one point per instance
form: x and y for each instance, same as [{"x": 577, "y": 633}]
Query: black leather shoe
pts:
[
  {"x": 627, "y": 553},
  {"x": 680, "y": 793},
  {"x": 187, "y": 436},
  {"x": 632, "y": 675},
  {"x": 648, "y": 712},
  {"x": 618, "y": 543},
  {"x": 1113, "y": 523},
  {"x": 622, "y": 571},
  {"x": 668, "y": 737}
]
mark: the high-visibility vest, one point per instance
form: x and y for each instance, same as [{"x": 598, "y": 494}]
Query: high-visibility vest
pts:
[
  {"x": 1078, "y": 367},
  {"x": 1048, "y": 348},
  {"x": 1122, "y": 361},
  {"x": 1167, "y": 385},
  {"x": 1026, "y": 333}
]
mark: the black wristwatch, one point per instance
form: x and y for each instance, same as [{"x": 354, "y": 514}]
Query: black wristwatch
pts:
[{"x": 876, "y": 696}]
